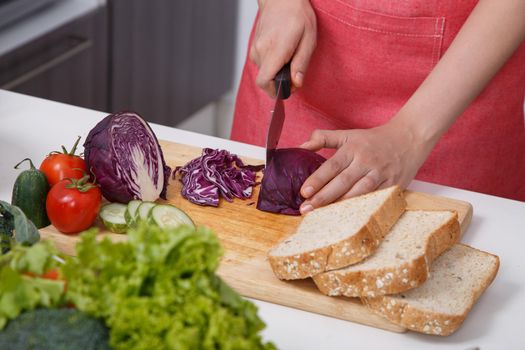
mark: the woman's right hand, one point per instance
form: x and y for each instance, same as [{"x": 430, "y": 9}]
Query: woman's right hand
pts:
[{"x": 286, "y": 32}]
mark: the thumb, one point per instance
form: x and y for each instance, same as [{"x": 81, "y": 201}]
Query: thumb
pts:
[
  {"x": 302, "y": 57},
  {"x": 322, "y": 139}
]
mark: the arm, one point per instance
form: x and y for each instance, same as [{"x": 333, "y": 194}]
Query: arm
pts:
[
  {"x": 487, "y": 39},
  {"x": 393, "y": 153}
]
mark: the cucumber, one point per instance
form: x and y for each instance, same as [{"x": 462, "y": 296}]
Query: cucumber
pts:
[
  {"x": 30, "y": 193},
  {"x": 166, "y": 215},
  {"x": 143, "y": 210},
  {"x": 112, "y": 215},
  {"x": 131, "y": 212}
]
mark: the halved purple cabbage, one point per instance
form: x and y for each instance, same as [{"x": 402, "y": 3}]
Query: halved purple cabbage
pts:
[
  {"x": 126, "y": 159},
  {"x": 216, "y": 172},
  {"x": 283, "y": 178}
]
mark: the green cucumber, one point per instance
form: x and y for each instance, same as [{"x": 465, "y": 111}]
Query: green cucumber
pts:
[
  {"x": 131, "y": 212},
  {"x": 112, "y": 215},
  {"x": 30, "y": 193},
  {"x": 143, "y": 210},
  {"x": 165, "y": 215}
]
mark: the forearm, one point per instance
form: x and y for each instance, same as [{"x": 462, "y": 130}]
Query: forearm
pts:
[{"x": 488, "y": 38}]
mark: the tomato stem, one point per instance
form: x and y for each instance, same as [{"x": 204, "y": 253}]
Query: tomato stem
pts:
[
  {"x": 65, "y": 151},
  {"x": 32, "y": 167},
  {"x": 74, "y": 149},
  {"x": 82, "y": 184}
]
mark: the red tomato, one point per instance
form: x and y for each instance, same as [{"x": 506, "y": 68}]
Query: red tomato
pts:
[
  {"x": 58, "y": 166},
  {"x": 52, "y": 274},
  {"x": 72, "y": 205}
]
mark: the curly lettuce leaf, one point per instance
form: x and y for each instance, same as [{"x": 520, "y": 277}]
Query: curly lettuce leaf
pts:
[
  {"x": 19, "y": 291},
  {"x": 159, "y": 291}
]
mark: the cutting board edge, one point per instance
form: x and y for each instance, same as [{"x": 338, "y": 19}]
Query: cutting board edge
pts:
[
  {"x": 327, "y": 306},
  {"x": 465, "y": 216}
]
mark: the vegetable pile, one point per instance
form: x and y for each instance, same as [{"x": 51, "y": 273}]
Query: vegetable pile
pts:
[
  {"x": 283, "y": 178},
  {"x": 60, "y": 192},
  {"x": 214, "y": 173},
  {"x": 126, "y": 159},
  {"x": 125, "y": 163},
  {"x": 159, "y": 290},
  {"x": 25, "y": 285}
]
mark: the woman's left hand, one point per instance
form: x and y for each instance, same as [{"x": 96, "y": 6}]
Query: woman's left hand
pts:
[{"x": 365, "y": 160}]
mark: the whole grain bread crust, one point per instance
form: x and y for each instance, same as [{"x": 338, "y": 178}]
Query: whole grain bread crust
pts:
[
  {"x": 420, "y": 320},
  {"x": 392, "y": 279},
  {"x": 348, "y": 251}
]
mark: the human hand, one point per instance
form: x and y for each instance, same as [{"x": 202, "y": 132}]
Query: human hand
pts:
[
  {"x": 286, "y": 32},
  {"x": 365, "y": 160}
]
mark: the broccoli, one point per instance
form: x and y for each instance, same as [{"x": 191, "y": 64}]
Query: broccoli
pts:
[{"x": 56, "y": 329}]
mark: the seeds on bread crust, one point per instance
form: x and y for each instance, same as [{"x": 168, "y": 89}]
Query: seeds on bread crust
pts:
[
  {"x": 402, "y": 261},
  {"x": 441, "y": 304},
  {"x": 338, "y": 235}
]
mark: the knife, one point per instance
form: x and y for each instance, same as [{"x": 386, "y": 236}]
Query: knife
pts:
[{"x": 283, "y": 86}]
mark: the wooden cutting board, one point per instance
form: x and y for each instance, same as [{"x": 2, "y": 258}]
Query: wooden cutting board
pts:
[{"x": 247, "y": 234}]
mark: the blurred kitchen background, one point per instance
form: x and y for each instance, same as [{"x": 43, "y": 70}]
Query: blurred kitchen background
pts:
[{"x": 176, "y": 62}]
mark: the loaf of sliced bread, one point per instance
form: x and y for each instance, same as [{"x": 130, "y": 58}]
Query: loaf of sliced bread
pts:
[
  {"x": 457, "y": 278},
  {"x": 401, "y": 262},
  {"x": 337, "y": 235}
]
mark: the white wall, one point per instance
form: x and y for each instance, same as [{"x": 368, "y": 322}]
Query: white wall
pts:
[
  {"x": 216, "y": 118},
  {"x": 246, "y": 14}
]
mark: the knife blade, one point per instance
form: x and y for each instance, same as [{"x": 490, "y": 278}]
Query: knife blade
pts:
[{"x": 283, "y": 89}]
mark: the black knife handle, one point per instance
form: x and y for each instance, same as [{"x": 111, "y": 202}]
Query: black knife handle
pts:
[{"x": 284, "y": 77}]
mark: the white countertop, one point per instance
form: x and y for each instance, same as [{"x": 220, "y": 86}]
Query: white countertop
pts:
[{"x": 31, "y": 127}]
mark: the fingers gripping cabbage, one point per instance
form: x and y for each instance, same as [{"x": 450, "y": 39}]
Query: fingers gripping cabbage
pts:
[{"x": 283, "y": 178}]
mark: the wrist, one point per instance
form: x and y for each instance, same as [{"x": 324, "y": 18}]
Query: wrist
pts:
[{"x": 421, "y": 133}]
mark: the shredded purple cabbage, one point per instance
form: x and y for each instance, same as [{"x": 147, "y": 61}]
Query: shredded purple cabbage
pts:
[{"x": 217, "y": 172}]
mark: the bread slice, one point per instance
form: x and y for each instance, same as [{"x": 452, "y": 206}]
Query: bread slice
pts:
[
  {"x": 338, "y": 234},
  {"x": 457, "y": 279},
  {"x": 403, "y": 259}
]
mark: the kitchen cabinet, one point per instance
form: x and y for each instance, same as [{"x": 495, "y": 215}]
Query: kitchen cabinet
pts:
[
  {"x": 165, "y": 59},
  {"x": 68, "y": 64},
  {"x": 171, "y": 57}
]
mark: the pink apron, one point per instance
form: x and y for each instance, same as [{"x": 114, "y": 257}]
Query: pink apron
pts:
[{"x": 371, "y": 56}]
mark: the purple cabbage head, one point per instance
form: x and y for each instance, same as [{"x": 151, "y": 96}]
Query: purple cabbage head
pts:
[
  {"x": 214, "y": 173},
  {"x": 283, "y": 178},
  {"x": 125, "y": 156}
]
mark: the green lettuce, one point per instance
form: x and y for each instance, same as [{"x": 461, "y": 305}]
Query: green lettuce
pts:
[
  {"x": 19, "y": 290},
  {"x": 159, "y": 290}
]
